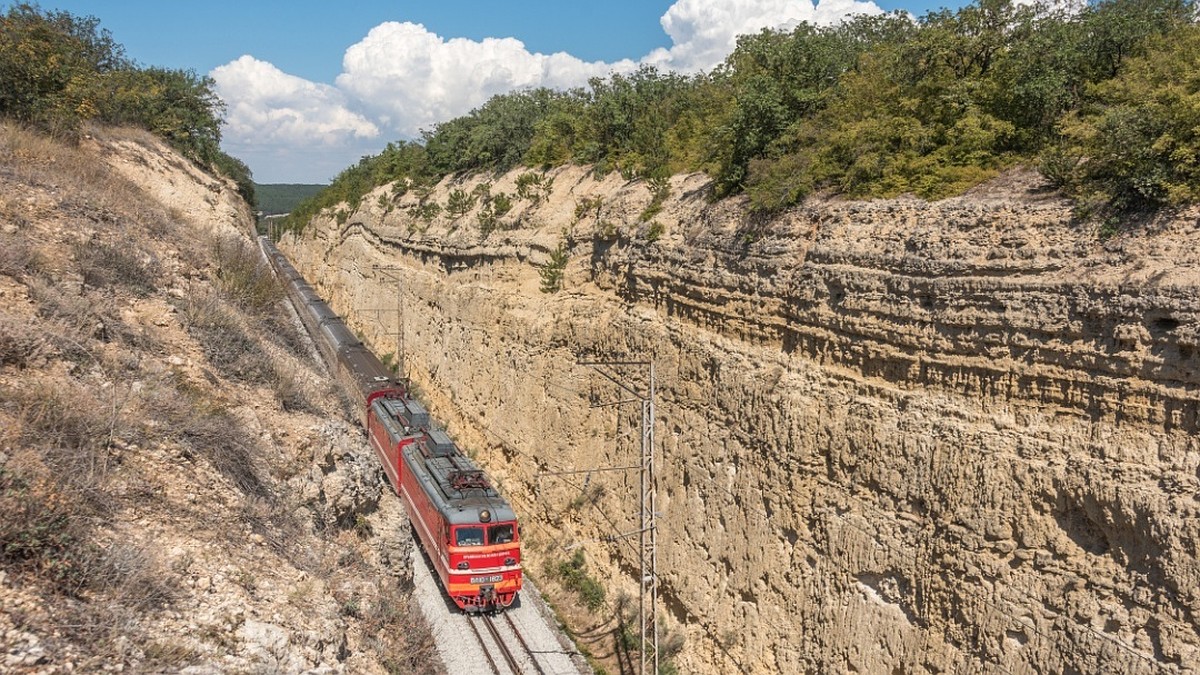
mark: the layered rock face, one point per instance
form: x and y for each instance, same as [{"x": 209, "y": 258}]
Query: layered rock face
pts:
[{"x": 893, "y": 436}]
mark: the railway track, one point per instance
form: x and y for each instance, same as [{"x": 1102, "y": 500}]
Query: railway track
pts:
[{"x": 505, "y": 648}]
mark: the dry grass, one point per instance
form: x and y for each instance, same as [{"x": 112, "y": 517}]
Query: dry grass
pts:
[
  {"x": 104, "y": 265},
  {"x": 17, "y": 256},
  {"x": 236, "y": 325},
  {"x": 93, "y": 412},
  {"x": 222, "y": 334},
  {"x": 56, "y": 491},
  {"x": 85, "y": 186},
  {"x": 75, "y": 430},
  {"x": 208, "y": 430},
  {"x": 244, "y": 276},
  {"x": 393, "y": 628},
  {"x": 19, "y": 346},
  {"x": 39, "y": 531}
]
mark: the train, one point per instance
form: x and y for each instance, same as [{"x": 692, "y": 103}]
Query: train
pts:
[{"x": 469, "y": 531}]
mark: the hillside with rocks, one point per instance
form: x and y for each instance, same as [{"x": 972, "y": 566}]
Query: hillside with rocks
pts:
[
  {"x": 894, "y": 435},
  {"x": 182, "y": 489}
]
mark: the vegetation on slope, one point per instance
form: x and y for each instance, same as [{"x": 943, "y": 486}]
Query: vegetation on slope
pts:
[
  {"x": 1104, "y": 100},
  {"x": 147, "y": 367},
  {"x": 59, "y": 71}
]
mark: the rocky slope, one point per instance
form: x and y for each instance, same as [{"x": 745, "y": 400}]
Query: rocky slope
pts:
[
  {"x": 180, "y": 488},
  {"x": 894, "y": 436}
]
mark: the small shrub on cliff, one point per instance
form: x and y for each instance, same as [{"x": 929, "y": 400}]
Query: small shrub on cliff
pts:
[
  {"x": 553, "y": 271},
  {"x": 501, "y": 203},
  {"x": 426, "y": 211},
  {"x": 660, "y": 189},
  {"x": 654, "y": 232},
  {"x": 588, "y": 206},
  {"x": 487, "y": 219},
  {"x": 534, "y": 186},
  {"x": 459, "y": 203},
  {"x": 573, "y": 575}
]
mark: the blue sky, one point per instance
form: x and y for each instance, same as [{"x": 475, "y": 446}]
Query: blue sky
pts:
[{"x": 312, "y": 86}]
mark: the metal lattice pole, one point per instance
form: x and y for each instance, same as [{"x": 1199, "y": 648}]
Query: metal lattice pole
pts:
[
  {"x": 649, "y": 536},
  {"x": 648, "y": 529},
  {"x": 392, "y": 272}
]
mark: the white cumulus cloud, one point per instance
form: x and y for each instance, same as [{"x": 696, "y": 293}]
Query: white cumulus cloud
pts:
[
  {"x": 704, "y": 32},
  {"x": 402, "y": 78},
  {"x": 267, "y": 105},
  {"x": 410, "y": 78}
]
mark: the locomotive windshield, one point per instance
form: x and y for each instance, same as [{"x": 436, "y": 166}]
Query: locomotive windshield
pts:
[
  {"x": 468, "y": 536},
  {"x": 500, "y": 534}
]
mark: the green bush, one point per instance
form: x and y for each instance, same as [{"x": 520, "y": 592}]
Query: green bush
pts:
[
  {"x": 1140, "y": 141},
  {"x": 553, "y": 270},
  {"x": 573, "y": 574},
  {"x": 459, "y": 203}
]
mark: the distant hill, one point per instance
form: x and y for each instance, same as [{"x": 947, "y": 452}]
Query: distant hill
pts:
[{"x": 283, "y": 197}]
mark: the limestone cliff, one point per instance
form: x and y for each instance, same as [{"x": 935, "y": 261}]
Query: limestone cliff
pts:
[{"x": 896, "y": 436}]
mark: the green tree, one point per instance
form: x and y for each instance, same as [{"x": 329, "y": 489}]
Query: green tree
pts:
[
  {"x": 48, "y": 62},
  {"x": 1141, "y": 139}
]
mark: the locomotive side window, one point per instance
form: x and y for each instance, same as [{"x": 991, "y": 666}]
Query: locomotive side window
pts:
[
  {"x": 500, "y": 534},
  {"x": 468, "y": 536}
]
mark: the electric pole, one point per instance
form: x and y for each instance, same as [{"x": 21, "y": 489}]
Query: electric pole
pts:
[
  {"x": 392, "y": 272},
  {"x": 648, "y": 526}
]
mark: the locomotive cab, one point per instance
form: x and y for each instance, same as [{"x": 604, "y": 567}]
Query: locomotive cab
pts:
[{"x": 484, "y": 563}]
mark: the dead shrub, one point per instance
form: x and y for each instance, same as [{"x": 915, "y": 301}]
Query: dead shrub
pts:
[
  {"x": 74, "y": 429},
  {"x": 103, "y": 265},
  {"x": 244, "y": 276},
  {"x": 395, "y": 630},
  {"x": 58, "y": 302},
  {"x": 211, "y": 432},
  {"x": 219, "y": 439},
  {"x": 226, "y": 343},
  {"x": 291, "y": 393},
  {"x": 127, "y": 573},
  {"x": 19, "y": 344},
  {"x": 38, "y": 533},
  {"x": 98, "y": 192},
  {"x": 246, "y": 280},
  {"x": 169, "y": 656},
  {"x": 17, "y": 256},
  {"x": 273, "y": 520}
]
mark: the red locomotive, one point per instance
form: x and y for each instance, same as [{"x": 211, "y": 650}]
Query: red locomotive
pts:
[{"x": 469, "y": 531}]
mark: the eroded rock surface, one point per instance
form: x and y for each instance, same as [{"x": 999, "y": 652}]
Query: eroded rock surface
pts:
[{"x": 896, "y": 435}]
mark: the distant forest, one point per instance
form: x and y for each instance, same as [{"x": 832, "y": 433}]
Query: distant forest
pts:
[
  {"x": 1104, "y": 101},
  {"x": 59, "y": 71},
  {"x": 280, "y": 198}
]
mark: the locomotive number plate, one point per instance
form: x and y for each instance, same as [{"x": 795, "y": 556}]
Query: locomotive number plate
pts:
[{"x": 488, "y": 579}]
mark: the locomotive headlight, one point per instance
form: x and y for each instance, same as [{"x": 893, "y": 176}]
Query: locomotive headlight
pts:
[
  {"x": 463, "y": 565},
  {"x": 510, "y": 561},
  {"x": 484, "y": 515}
]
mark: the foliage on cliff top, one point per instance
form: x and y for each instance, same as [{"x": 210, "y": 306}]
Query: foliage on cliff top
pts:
[
  {"x": 59, "y": 71},
  {"x": 875, "y": 107}
]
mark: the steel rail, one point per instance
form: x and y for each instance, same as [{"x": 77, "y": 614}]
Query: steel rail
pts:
[{"x": 524, "y": 645}]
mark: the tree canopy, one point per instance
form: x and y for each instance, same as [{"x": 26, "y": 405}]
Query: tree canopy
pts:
[
  {"x": 1104, "y": 99},
  {"x": 58, "y": 71}
]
